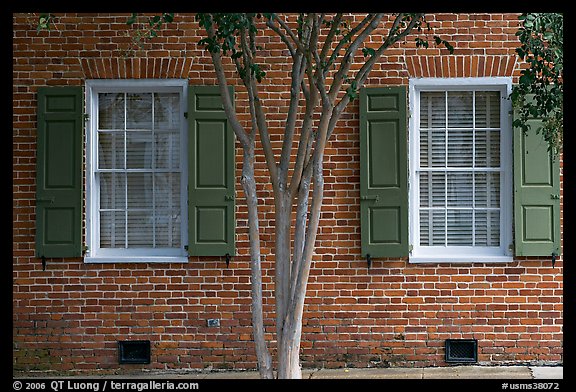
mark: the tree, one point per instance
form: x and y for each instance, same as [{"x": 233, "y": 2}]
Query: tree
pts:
[
  {"x": 540, "y": 89},
  {"x": 323, "y": 49}
]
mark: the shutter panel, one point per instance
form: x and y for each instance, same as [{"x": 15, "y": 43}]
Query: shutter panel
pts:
[
  {"x": 383, "y": 172},
  {"x": 536, "y": 195},
  {"x": 59, "y": 172},
  {"x": 211, "y": 201}
]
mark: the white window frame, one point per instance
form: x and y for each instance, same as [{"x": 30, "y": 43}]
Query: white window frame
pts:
[
  {"x": 95, "y": 254},
  {"x": 461, "y": 254}
]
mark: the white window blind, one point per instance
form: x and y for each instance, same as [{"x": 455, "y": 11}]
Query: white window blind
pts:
[
  {"x": 459, "y": 168},
  {"x": 138, "y": 170}
]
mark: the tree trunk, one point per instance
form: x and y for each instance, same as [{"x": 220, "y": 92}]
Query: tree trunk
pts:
[
  {"x": 289, "y": 350},
  {"x": 282, "y": 262},
  {"x": 291, "y": 275},
  {"x": 249, "y": 185},
  {"x": 282, "y": 217}
]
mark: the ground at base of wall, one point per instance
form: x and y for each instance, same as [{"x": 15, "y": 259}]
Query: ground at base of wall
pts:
[{"x": 449, "y": 372}]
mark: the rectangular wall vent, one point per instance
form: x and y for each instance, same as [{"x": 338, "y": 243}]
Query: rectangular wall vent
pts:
[
  {"x": 461, "y": 350},
  {"x": 134, "y": 351}
]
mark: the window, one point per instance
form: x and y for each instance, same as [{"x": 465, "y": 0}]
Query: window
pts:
[
  {"x": 460, "y": 146},
  {"x": 136, "y": 171}
]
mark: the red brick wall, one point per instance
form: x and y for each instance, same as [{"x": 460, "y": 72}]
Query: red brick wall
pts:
[{"x": 69, "y": 317}]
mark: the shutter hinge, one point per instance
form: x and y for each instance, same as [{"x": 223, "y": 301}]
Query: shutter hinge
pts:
[
  {"x": 410, "y": 248},
  {"x": 554, "y": 256},
  {"x": 185, "y": 114},
  {"x": 86, "y": 117}
]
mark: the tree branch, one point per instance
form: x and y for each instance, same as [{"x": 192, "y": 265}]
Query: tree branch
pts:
[
  {"x": 293, "y": 36},
  {"x": 225, "y": 93},
  {"x": 305, "y": 141},
  {"x": 282, "y": 36},
  {"x": 291, "y": 118},
  {"x": 300, "y": 226},
  {"x": 349, "y": 56},
  {"x": 390, "y": 40},
  {"x": 330, "y": 37},
  {"x": 347, "y": 38}
]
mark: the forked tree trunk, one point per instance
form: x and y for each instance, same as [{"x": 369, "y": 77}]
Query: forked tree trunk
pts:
[{"x": 312, "y": 61}]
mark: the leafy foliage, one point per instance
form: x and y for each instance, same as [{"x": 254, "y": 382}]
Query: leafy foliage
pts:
[
  {"x": 228, "y": 27},
  {"x": 540, "y": 90},
  {"x": 44, "y": 22},
  {"x": 145, "y": 29}
]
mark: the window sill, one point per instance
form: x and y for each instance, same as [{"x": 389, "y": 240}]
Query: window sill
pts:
[
  {"x": 135, "y": 259},
  {"x": 460, "y": 259}
]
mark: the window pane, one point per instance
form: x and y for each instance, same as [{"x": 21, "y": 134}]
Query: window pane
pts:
[
  {"x": 112, "y": 190},
  {"x": 459, "y": 227},
  {"x": 166, "y": 110},
  {"x": 432, "y": 228},
  {"x": 167, "y": 228},
  {"x": 487, "y": 188},
  {"x": 111, "y": 150},
  {"x": 459, "y": 189},
  {"x": 460, "y": 148},
  {"x": 433, "y": 148},
  {"x": 140, "y": 190},
  {"x": 432, "y": 110},
  {"x": 167, "y": 189},
  {"x": 461, "y": 130},
  {"x": 139, "y": 150},
  {"x": 140, "y": 229},
  {"x": 459, "y": 109},
  {"x": 167, "y": 150},
  {"x": 488, "y": 109},
  {"x": 112, "y": 229},
  {"x": 111, "y": 111},
  {"x": 139, "y": 111},
  {"x": 487, "y": 149},
  {"x": 432, "y": 189},
  {"x": 487, "y": 226}
]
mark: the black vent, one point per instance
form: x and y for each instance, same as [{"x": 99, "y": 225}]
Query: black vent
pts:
[
  {"x": 134, "y": 351},
  {"x": 461, "y": 350}
]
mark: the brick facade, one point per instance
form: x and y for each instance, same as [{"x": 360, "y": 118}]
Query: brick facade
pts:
[{"x": 69, "y": 317}]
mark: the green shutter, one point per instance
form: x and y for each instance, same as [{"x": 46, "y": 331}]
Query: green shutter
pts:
[
  {"x": 59, "y": 172},
  {"x": 211, "y": 200},
  {"x": 383, "y": 172},
  {"x": 536, "y": 195}
]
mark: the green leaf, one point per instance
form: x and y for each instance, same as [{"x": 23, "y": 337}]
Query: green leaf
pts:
[
  {"x": 525, "y": 79},
  {"x": 368, "y": 52},
  {"x": 44, "y": 22},
  {"x": 132, "y": 19}
]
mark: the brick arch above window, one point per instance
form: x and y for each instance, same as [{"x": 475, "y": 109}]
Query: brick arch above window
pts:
[
  {"x": 136, "y": 68},
  {"x": 453, "y": 66}
]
